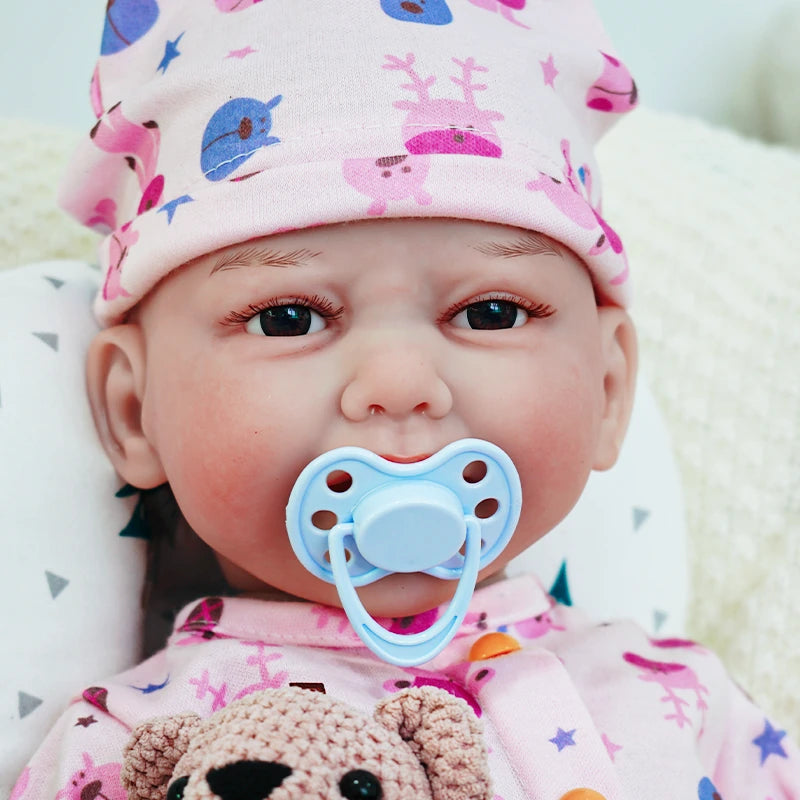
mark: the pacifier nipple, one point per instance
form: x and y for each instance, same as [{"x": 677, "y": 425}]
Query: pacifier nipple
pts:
[{"x": 354, "y": 517}]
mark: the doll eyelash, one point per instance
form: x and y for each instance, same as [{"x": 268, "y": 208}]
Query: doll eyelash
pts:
[
  {"x": 532, "y": 309},
  {"x": 324, "y": 307}
]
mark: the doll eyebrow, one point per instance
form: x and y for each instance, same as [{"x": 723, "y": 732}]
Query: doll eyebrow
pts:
[
  {"x": 528, "y": 244},
  {"x": 264, "y": 257}
]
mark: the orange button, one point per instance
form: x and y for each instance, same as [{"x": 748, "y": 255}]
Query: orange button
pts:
[
  {"x": 582, "y": 794},
  {"x": 492, "y": 645}
]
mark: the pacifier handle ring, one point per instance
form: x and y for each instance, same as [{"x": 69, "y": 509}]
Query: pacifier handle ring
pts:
[{"x": 416, "y": 648}]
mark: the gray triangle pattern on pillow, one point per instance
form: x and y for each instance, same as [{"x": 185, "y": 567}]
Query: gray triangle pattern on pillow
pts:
[{"x": 59, "y": 486}]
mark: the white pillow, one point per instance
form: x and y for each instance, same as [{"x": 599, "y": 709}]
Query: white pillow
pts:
[
  {"x": 70, "y": 582},
  {"x": 621, "y": 552},
  {"x": 76, "y": 581},
  {"x": 710, "y": 223}
]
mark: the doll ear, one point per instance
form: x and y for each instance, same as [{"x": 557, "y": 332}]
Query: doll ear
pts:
[
  {"x": 152, "y": 752},
  {"x": 115, "y": 377},
  {"x": 620, "y": 359},
  {"x": 445, "y": 735}
]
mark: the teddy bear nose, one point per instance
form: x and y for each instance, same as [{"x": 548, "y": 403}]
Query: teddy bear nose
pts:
[{"x": 247, "y": 780}]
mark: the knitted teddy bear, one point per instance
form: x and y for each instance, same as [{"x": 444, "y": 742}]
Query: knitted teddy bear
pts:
[{"x": 287, "y": 744}]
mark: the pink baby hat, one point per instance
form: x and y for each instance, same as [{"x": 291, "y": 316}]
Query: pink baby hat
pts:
[{"x": 224, "y": 120}]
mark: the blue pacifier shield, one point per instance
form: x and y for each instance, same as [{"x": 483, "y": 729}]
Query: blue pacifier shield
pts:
[{"x": 354, "y": 517}]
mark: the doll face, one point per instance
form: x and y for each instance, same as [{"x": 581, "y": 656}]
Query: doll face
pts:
[{"x": 399, "y": 336}]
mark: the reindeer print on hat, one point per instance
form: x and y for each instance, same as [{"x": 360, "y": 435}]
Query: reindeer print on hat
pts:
[
  {"x": 388, "y": 178},
  {"x": 443, "y": 125},
  {"x": 505, "y": 8},
  {"x": 433, "y": 126},
  {"x": 572, "y": 196}
]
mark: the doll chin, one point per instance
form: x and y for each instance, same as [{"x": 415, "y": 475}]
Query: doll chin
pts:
[
  {"x": 398, "y": 596},
  {"x": 395, "y": 596},
  {"x": 401, "y": 595}
]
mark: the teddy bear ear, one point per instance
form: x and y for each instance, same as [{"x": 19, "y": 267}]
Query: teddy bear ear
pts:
[
  {"x": 445, "y": 735},
  {"x": 152, "y": 752}
]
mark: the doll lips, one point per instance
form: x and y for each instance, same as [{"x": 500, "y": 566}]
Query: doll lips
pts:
[{"x": 406, "y": 459}]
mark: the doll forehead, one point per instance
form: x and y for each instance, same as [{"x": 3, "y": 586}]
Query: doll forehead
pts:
[{"x": 520, "y": 243}]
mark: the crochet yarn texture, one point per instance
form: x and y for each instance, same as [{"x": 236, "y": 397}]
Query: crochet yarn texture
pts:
[{"x": 294, "y": 743}]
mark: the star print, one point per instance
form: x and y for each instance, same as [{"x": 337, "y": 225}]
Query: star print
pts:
[
  {"x": 549, "y": 71},
  {"x": 769, "y": 742},
  {"x": 151, "y": 687},
  {"x": 611, "y": 747},
  {"x": 242, "y": 53},
  {"x": 85, "y": 722},
  {"x": 173, "y": 204},
  {"x": 170, "y": 52},
  {"x": 563, "y": 739}
]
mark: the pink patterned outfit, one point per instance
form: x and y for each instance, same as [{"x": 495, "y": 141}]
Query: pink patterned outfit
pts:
[{"x": 578, "y": 705}]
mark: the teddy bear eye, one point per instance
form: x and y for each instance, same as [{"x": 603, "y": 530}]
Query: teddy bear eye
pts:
[
  {"x": 358, "y": 784},
  {"x": 175, "y": 791}
]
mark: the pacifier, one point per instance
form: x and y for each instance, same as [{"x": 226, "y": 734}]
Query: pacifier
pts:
[{"x": 354, "y": 517}]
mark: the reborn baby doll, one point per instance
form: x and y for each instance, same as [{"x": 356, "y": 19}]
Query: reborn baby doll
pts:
[{"x": 377, "y": 226}]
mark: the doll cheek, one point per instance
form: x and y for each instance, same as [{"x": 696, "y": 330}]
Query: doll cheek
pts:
[{"x": 204, "y": 482}]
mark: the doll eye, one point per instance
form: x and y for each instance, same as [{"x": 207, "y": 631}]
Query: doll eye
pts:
[
  {"x": 491, "y": 315},
  {"x": 359, "y": 784},
  {"x": 292, "y": 319},
  {"x": 285, "y": 316}
]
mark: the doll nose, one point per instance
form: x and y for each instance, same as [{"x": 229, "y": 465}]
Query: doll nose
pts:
[{"x": 396, "y": 381}]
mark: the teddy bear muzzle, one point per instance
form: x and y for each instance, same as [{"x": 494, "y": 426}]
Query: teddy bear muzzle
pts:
[
  {"x": 243, "y": 780},
  {"x": 255, "y": 780}
]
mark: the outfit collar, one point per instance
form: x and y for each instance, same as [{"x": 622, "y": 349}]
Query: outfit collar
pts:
[{"x": 494, "y": 606}]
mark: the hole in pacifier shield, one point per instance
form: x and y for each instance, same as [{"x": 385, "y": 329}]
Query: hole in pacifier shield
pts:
[
  {"x": 339, "y": 481},
  {"x": 486, "y": 508},
  {"x": 324, "y": 520},
  {"x": 474, "y": 472},
  {"x": 347, "y": 556}
]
